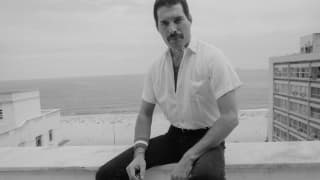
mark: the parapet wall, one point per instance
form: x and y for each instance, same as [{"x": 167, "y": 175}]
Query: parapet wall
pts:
[{"x": 245, "y": 161}]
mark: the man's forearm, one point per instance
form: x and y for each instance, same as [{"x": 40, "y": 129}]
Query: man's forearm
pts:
[
  {"x": 142, "y": 132},
  {"x": 217, "y": 133},
  {"x": 142, "y": 128}
]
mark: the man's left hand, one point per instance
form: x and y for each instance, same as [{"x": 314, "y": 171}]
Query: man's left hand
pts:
[{"x": 182, "y": 170}]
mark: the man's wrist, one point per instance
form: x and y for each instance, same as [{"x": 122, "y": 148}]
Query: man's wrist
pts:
[
  {"x": 140, "y": 147},
  {"x": 188, "y": 156},
  {"x": 140, "y": 151}
]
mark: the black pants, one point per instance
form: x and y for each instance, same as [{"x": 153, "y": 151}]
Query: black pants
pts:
[{"x": 166, "y": 149}]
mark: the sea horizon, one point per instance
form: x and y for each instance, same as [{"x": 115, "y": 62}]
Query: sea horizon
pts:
[{"x": 121, "y": 93}]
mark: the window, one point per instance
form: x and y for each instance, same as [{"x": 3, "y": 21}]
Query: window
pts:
[
  {"x": 315, "y": 133},
  {"x": 303, "y": 128},
  {"x": 315, "y": 92},
  {"x": 285, "y": 71},
  {"x": 39, "y": 140},
  {"x": 315, "y": 73},
  {"x": 50, "y": 135},
  {"x": 280, "y": 118},
  {"x": 1, "y": 113},
  {"x": 315, "y": 112},
  {"x": 292, "y": 138},
  {"x": 280, "y": 71},
  {"x": 276, "y": 131}
]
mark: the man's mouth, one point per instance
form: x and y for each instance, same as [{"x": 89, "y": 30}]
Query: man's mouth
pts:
[{"x": 175, "y": 37}]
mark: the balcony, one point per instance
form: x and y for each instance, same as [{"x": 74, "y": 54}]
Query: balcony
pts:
[{"x": 244, "y": 161}]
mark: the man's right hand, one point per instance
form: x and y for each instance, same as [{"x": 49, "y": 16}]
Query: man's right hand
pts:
[{"x": 136, "y": 169}]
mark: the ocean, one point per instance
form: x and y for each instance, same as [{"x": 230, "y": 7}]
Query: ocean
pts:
[{"x": 121, "y": 93}]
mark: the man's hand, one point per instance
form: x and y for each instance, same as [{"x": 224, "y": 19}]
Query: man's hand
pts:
[
  {"x": 182, "y": 169},
  {"x": 136, "y": 169}
]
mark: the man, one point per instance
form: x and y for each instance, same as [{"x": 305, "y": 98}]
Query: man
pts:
[{"x": 194, "y": 85}]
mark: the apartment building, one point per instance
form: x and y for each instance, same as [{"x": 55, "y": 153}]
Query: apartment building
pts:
[{"x": 295, "y": 94}]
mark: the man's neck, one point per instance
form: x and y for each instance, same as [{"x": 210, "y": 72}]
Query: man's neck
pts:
[{"x": 177, "y": 55}]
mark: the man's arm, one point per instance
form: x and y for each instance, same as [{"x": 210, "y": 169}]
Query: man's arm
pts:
[
  {"x": 142, "y": 132},
  {"x": 220, "y": 129},
  {"x": 143, "y": 123},
  {"x": 218, "y": 132}
]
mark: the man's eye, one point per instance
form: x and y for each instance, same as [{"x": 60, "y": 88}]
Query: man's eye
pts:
[
  {"x": 177, "y": 21},
  {"x": 164, "y": 23}
]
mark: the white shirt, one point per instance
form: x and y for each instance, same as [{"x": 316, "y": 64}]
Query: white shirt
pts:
[{"x": 205, "y": 75}]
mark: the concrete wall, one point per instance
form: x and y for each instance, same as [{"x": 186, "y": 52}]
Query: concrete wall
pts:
[
  {"x": 311, "y": 40},
  {"x": 26, "y": 106},
  {"x": 25, "y": 135},
  {"x": 270, "y": 96},
  {"x": 8, "y": 115},
  {"x": 244, "y": 161},
  {"x": 18, "y": 107}
]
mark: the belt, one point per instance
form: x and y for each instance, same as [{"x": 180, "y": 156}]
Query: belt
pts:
[{"x": 188, "y": 131}]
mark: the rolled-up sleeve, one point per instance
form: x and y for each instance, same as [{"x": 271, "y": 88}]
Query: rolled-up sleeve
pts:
[{"x": 223, "y": 75}]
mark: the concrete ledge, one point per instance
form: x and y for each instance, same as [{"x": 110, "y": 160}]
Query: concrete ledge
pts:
[{"x": 274, "y": 160}]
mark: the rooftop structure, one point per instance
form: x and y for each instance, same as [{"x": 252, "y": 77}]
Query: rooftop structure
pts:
[
  {"x": 24, "y": 123},
  {"x": 310, "y": 43}
]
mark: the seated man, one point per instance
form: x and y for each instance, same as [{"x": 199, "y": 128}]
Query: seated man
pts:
[{"x": 194, "y": 85}]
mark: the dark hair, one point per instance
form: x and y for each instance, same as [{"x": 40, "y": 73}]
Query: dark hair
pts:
[{"x": 161, "y": 3}]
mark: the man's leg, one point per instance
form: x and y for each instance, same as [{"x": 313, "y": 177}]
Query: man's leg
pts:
[
  {"x": 210, "y": 166},
  {"x": 161, "y": 151}
]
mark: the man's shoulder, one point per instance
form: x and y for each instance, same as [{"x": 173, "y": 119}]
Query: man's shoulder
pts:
[
  {"x": 206, "y": 47},
  {"x": 158, "y": 63},
  {"x": 209, "y": 52}
]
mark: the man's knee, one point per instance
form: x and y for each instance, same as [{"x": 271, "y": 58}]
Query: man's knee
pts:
[
  {"x": 208, "y": 174},
  {"x": 100, "y": 174},
  {"x": 105, "y": 173}
]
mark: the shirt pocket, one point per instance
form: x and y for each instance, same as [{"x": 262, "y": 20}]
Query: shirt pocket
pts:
[{"x": 199, "y": 89}]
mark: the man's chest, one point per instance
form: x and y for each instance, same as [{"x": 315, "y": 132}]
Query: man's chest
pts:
[{"x": 192, "y": 82}]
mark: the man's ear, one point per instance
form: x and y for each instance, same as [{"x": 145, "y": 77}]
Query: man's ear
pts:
[{"x": 190, "y": 18}]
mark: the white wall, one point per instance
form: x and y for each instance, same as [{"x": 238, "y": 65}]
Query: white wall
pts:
[
  {"x": 8, "y": 115},
  {"x": 19, "y": 107},
  {"x": 26, "y": 109},
  {"x": 32, "y": 128}
]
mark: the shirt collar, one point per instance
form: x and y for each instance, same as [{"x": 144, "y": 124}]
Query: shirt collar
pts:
[{"x": 193, "y": 46}]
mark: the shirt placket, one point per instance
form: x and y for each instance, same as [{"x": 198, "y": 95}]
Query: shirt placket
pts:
[{"x": 179, "y": 89}]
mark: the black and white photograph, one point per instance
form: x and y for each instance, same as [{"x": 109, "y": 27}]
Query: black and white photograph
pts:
[{"x": 159, "y": 90}]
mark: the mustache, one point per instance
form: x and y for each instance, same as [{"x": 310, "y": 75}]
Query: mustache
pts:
[{"x": 175, "y": 36}]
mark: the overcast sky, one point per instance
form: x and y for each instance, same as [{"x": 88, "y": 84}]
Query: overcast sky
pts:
[{"x": 62, "y": 38}]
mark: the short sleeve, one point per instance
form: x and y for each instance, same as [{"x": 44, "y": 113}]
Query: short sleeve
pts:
[
  {"x": 223, "y": 75},
  {"x": 148, "y": 94}
]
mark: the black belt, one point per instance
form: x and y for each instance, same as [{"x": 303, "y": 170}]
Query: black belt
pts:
[{"x": 174, "y": 129}]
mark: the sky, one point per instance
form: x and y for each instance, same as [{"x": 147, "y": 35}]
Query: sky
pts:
[{"x": 67, "y": 38}]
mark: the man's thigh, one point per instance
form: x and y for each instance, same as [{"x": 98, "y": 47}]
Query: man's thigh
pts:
[
  {"x": 160, "y": 151},
  {"x": 210, "y": 166}
]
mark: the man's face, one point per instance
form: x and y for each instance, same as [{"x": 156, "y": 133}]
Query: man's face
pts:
[{"x": 174, "y": 26}]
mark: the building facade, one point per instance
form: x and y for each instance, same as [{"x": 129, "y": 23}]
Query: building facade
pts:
[
  {"x": 295, "y": 93},
  {"x": 24, "y": 123}
]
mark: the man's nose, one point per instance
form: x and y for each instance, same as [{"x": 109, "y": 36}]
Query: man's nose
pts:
[{"x": 172, "y": 28}]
